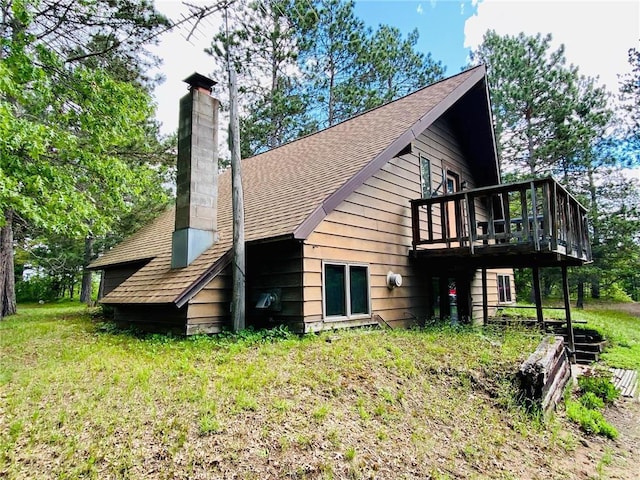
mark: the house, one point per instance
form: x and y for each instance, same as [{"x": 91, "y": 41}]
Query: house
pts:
[{"x": 396, "y": 215}]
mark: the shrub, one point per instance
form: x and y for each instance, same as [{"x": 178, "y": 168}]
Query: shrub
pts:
[
  {"x": 36, "y": 289},
  {"x": 591, "y": 421},
  {"x": 600, "y": 385},
  {"x": 591, "y": 401}
]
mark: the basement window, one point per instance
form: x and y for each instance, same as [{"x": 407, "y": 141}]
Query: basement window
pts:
[
  {"x": 504, "y": 289},
  {"x": 345, "y": 291}
]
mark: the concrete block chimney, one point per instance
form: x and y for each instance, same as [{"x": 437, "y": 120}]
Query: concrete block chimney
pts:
[{"x": 197, "y": 177}]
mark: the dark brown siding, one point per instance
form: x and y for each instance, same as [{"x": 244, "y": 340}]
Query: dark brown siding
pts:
[
  {"x": 275, "y": 267},
  {"x": 112, "y": 277},
  {"x": 271, "y": 267},
  {"x": 152, "y": 317}
]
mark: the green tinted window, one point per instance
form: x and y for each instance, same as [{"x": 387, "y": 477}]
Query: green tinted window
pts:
[
  {"x": 334, "y": 290},
  {"x": 359, "y": 290}
]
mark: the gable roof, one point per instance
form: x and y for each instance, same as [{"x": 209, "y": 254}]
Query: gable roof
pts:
[{"x": 290, "y": 189}]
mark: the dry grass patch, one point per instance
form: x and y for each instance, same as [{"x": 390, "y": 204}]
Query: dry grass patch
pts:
[{"x": 82, "y": 401}]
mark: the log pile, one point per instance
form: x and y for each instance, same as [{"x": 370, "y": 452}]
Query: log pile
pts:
[{"x": 545, "y": 373}]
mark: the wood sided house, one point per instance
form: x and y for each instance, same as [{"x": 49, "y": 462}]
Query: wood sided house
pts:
[{"x": 373, "y": 219}]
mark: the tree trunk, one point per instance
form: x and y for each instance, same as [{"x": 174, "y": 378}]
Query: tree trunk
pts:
[
  {"x": 331, "y": 95},
  {"x": 238, "y": 302},
  {"x": 7, "y": 280},
  {"x": 87, "y": 276},
  {"x": 593, "y": 196},
  {"x": 580, "y": 300},
  {"x": 530, "y": 144}
]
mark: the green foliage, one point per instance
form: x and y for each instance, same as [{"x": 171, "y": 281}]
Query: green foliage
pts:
[
  {"x": 76, "y": 135},
  {"x": 209, "y": 425},
  {"x": 530, "y": 86},
  {"x": 596, "y": 391},
  {"x": 600, "y": 385},
  {"x": 550, "y": 120},
  {"x": 591, "y": 421},
  {"x": 304, "y": 65},
  {"x": 591, "y": 401},
  {"x": 394, "y": 68},
  {"x": 36, "y": 289}
]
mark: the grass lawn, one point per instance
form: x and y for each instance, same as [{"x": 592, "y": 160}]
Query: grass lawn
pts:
[{"x": 79, "y": 400}]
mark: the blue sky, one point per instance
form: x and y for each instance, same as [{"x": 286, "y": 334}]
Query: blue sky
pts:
[
  {"x": 439, "y": 23},
  {"x": 596, "y": 33}
]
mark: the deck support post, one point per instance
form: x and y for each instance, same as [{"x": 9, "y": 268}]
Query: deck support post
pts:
[
  {"x": 463, "y": 296},
  {"x": 567, "y": 310},
  {"x": 445, "y": 307},
  {"x": 537, "y": 296},
  {"x": 485, "y": 298}
]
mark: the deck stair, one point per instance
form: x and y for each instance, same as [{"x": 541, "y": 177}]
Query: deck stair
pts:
[{"x": 589, "y": 344}]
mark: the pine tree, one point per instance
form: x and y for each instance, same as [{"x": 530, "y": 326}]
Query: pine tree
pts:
[{"x": 530, "y": 86}]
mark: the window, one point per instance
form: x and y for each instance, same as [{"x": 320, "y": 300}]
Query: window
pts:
[
  {"x": 346, "y": 290},
  {"x": 504, "y": 289},
  {"x": 425, "y": 176}
]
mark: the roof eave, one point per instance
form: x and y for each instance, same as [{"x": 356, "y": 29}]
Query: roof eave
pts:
[
  {"x": 213, "y": 271},
  {"x": 99, "y": 266}
]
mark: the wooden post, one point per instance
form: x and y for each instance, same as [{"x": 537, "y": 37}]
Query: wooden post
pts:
[
  {"x": 485, "y": 297},
  {"x": 567, "y": 311},
  {"x": 537, "y": 296},
  {"x": 553, "y": 220},
  {"x": 534, "y": 218},
  {"x": 445, "y": 306},
  {"x": 238, "y": 305}
]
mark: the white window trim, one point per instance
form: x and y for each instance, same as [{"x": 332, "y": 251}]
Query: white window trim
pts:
[
  {"x": 508, "y": 279},
  {"x": 347, "y": 285}
]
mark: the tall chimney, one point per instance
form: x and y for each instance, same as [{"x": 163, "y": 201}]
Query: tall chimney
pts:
[{"x": 197, "y": 178}]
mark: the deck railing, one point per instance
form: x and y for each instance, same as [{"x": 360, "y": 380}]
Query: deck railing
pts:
[{"x": 537, "y": 215}]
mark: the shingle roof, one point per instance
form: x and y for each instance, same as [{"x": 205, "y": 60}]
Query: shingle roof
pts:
[{"x": 288, "y": 190}]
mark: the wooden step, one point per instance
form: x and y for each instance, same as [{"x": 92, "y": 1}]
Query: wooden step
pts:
[
  {"x": 587, "y": 357},
  {"x": 590, "y": 346}
]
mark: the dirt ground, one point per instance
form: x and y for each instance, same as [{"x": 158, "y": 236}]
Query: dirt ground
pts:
[
  {"x": 597, "y": 457},
  {"x": 624, "y": 452}
]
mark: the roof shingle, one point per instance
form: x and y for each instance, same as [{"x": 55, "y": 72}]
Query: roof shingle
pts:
[{"x": 282, "y": 187}]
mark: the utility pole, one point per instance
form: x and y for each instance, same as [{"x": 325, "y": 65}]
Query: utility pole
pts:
[
  {"x": 238, "y": 300},
  {"x": 238, "y": 305}
]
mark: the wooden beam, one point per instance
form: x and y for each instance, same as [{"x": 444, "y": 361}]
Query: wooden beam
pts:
[
  {"x": 485, "y": 297},
  {"x": 534, "y": 217},
  {"x": 445, "y": 307},
  {"x": 567, "y": 310},
  {"x": 537, "y": 295},
  {"x": 470, "y": 222},
  {"x": 238, "y": 302}
]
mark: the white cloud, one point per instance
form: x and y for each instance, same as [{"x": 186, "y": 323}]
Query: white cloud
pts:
[
  {"x": 597, "y": 34},
  {"x": 419, "y": 9}
]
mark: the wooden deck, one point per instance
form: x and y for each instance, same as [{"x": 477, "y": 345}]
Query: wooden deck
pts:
[{"x": 533, "y": 223}]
